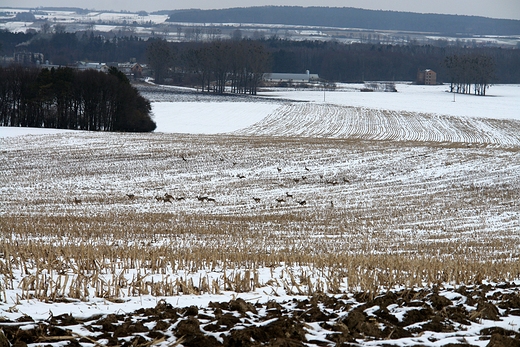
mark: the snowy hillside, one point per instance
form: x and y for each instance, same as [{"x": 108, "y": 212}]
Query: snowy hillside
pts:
[{"x": 370, "y": 219}]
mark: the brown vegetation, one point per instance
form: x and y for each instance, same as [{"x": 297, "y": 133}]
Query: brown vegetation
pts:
[{"x": 410, "y": 215}]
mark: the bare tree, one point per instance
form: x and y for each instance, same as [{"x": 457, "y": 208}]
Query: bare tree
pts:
[
  {"x": 467, "y": 70},
  {"x": 160, "y": 57}
]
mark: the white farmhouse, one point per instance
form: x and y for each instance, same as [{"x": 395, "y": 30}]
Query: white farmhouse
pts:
[
  {"x": 291, "y": 77},
  {"x": 80, "y": 65}
]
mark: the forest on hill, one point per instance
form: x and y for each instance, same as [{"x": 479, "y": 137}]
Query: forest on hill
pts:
[{"x": 347, "y": 17}]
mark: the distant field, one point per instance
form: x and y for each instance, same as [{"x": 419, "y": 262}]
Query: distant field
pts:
[{"x": 147, "y": 25}]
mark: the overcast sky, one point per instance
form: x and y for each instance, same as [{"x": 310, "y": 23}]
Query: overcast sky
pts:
[{"x": 487, "y": 8}]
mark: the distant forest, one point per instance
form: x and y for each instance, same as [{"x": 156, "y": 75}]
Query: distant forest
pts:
[
  {"x": 333, "y": 61},
  {"x": 345, "y": 17}
]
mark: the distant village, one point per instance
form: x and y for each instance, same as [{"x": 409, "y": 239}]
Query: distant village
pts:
[
  {"x": 135, "y": 71},
  {"x": 131, "y": 69}
]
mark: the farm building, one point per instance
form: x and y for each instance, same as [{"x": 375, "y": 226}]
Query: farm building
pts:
[
  {"x": 428, "y": 77},
  {"x": 28, "y": 58},
  {"x": 291, "y": 77},
  {"x": 80, "y": 65},
  {"x": 131, "y": 69}
]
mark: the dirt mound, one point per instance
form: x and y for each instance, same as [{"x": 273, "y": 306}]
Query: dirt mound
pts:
[{"x": 341, "y": 320}]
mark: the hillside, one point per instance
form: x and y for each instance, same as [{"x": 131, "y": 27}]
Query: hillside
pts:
[
  {"x": 347, "y": 17},
  {"x": 367, "y": 219}
]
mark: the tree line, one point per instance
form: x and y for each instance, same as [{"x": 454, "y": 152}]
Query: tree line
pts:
[
  {"x": 470, "y": 69},
  {"x": 359, "y": 62},
  {"x": 332, "y": 60},
  {"x": 66, "y": 98},
  {"x": 197, "y": 63},
  {"x": 347, "y": 17},
  {"x": 213, "y": 65}
]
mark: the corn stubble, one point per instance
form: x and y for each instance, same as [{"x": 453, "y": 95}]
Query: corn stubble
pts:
[{"x": 80, "y": 215}]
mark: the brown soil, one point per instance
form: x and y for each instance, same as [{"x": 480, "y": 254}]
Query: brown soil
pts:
[{"x": 346, "y": 320}]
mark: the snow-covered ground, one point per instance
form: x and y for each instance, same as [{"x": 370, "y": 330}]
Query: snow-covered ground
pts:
[
  {"x": 442, "y": 174},
  {"x": 11, "y": 131},
  {"x": 502, "y": 101},
  {"x": 202, "y": 114},
  {"x": 208, "y": 118},
  {"x": 139, "y": 23}
]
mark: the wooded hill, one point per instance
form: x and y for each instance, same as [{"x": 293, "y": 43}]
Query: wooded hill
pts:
[{"x": 347, "y": 17}]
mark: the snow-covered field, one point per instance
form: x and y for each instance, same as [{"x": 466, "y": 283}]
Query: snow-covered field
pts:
[
  {"x": 415, "y": 113},
  {"x": 147, "y": 24},
  {"x": 208, "y": 118},
  {"x": 271, "y": 201},
  {"x": 501, "y": 102},
  {"x": 67, "y": 18}
]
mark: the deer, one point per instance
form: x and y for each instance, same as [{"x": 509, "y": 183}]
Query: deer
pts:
[
  {"x": 302, "y": 202},
  {"x": 130, "y": 196},
  {"x": 77, "y": 201},
  {"x": 163, "y": 199},
  {"x": 257, "y": 200}
]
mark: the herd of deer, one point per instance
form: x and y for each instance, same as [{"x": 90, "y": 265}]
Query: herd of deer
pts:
[
  {"x": 170, "y": 198},
  {"x": 280, "y": 200}
]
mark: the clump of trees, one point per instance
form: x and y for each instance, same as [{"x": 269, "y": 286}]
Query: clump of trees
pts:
[
  {"x": 66, "y": 98},
  {"x": 239, "y": 64},
  {"x": 218, "y": 66},
  {"x": 470, "y": 69}
]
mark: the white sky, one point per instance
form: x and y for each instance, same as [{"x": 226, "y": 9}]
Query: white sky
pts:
[{"x": 495, "y": 8}]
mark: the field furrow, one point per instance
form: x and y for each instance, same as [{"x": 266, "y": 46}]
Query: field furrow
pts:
[{"x": 335, "y": 121}]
